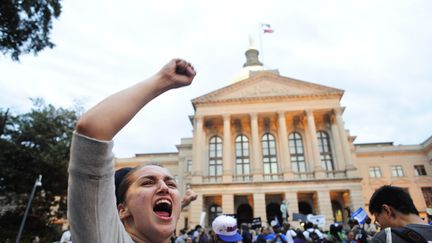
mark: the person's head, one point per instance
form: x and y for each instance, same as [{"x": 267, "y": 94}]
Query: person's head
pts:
[
  {"x": 389, "y": 201},
  {"x": 351, "y": 236},
  {"x": 352, "y": 223},
  {"x": 225, "y": 228},
  {"x": 148, "y": 202},
  {"x": 308, "y": 225}
]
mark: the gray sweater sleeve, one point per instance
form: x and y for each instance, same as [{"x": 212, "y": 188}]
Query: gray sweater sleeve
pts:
[{"x": 92, "y": 211}]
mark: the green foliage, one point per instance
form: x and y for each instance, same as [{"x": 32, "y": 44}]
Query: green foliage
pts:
[
  {"x": 35, "y": 143},
  {"x": 25, "y": 25}
]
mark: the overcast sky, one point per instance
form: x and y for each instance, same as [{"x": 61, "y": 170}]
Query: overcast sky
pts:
[{"x": 379, "y": 52}]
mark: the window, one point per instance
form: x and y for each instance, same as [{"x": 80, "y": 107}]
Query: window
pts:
[
  {"x": 269, "y": 154},
  {"x": 427, "y": 194},
  {"x": 296, "y": 152},
  {"x": 242, "y": 155},
  {"x": 189, "y": 166},
  {"x": 419, "y": 170},
  {"x": 397, "y": 171},
  {"x": 214, "y": 211},
  {"x": 374, "y": 172},
  {"x": 325, "y": 150},
  {"x": 215, "y": 156}
]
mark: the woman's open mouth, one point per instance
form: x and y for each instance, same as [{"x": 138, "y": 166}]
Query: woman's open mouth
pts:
[{"x": 163, "y": 208}]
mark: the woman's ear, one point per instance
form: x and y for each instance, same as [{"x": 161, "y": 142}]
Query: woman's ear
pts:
[{"x": 123, "y": 211}]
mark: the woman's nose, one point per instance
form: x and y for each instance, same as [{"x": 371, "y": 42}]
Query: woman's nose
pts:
[{"x": 162, "y": 187}]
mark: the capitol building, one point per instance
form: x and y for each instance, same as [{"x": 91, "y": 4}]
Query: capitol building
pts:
[{"x": 267, "y": 139}]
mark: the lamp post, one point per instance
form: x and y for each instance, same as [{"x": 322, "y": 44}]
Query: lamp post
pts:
[{"x": 38, "y": 182}]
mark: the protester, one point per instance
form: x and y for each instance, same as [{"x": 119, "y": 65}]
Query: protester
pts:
[
  {"x": 359, "y": 233},
  {"x": 290, "y": 234},
  {"x": 311, "y": 234},
  {"x": 245, "y": 233},
  {"x": 225, "y": 228},
  {"x": 182, "y": 237},
  {"x": 393, "y": 207},
  {"x": 150, "y": 204},
  {"x": 66, "y": 237}
]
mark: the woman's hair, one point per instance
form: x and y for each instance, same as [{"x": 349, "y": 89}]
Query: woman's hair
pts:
[{"x": 123, "y": 180}]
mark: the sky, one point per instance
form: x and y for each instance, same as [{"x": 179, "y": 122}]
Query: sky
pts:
[{"x": 378, "y": 52}]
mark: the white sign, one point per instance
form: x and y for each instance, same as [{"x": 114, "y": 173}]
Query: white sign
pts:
[
  {"x": 202, "y": 218},
  {"x": 316, "y": 219}
]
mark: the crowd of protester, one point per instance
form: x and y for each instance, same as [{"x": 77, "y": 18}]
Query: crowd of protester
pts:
[{"x": 285, "y": 233}]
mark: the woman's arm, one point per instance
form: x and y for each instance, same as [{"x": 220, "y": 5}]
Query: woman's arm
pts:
[{"x": 107, "y": 118}]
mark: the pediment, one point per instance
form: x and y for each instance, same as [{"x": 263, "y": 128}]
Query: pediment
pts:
[{"x": 264, "y": 85}]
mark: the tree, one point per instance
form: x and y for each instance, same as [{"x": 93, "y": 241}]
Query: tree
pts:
[
  {"x": 35, "y": 143},
  {"x": 25, "y": 25}
]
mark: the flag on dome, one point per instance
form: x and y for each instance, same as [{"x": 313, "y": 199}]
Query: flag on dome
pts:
[{"x": 267, "y": 28}]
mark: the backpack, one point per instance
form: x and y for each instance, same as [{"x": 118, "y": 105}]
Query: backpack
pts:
[
  {"x": 314, "y": 237},
  {"x": 408, "y": 235}
]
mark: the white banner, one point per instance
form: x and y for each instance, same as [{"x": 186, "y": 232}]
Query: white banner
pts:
[{"x": 317, "y": 219}]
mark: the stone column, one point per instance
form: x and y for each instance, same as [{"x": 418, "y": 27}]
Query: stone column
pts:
[
  {"x": 227, "y": 145},
  {"x": 325, "y": 207},
  {"x": 318, "y": 169},
  {"x": 228, "y": 203},
  {"x": 350, "y": 168},
  {"x": 197, "y": 154},
  {"x": 195, "y": 209},
  {"x": 260, "y": 207},
  {"x": 284, "y": 149},
  {"x": 356, "y": 198},
  {"x": 291, "y": 199},
  {"x": 338, "y": 146},
  {"x": 256, "y": 149}
]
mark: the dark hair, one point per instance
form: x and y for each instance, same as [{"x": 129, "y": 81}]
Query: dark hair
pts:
[
  {"x": 394, "y": 196},
  {"x": 123, "y": 180},
  {"x": 308, "y": 225}
]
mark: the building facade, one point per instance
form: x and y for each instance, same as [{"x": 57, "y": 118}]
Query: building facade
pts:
[{"x": 266, "y": 138}]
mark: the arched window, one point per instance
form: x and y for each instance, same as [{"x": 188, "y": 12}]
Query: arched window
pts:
[
  {"x": 325, "y": 150},
  {"x": 296, "y": 149},
  {"x": 214, "y": 211},
  {"x": 269, "y": 154},
  {"x": 215, "y": 156},
  {"x": 242, "y": 155}
]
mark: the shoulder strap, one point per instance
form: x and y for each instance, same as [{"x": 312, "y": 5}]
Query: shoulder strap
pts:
[{"x": 409, "y": 235}]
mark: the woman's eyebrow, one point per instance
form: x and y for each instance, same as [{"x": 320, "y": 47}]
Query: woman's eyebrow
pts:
[{"x": 155, "y": 178}]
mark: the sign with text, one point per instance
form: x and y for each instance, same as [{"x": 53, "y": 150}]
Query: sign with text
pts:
[
  {"x": 317, "y": 219},
  {"x": 360, "y": 215},
  {"x": 256, "y": 223}
]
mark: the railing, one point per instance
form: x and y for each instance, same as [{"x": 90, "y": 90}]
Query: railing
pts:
[
  {"x": 336, "y": 174},
  {"x": 273, "y": 177},
  {"x": 242, "y": 177},
  {"x": 304, "y": 175},
  {"x": 210, "y": 179}
]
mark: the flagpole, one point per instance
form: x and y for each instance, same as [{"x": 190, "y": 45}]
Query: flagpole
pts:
[{"x": 260, "y": 33}]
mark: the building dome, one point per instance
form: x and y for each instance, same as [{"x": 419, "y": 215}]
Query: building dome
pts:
[{"x": 252, "y": 63}]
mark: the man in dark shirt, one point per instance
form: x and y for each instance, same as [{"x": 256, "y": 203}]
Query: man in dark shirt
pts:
[{"x": 393, "y": 207}]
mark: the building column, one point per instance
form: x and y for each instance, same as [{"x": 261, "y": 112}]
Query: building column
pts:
[
  {"x": 195, "y": 209},
  {"x": 284, "y": 148},
  {"x": 260, "y": 207},
  {"x": 349, "y": 166},
  {"x": 318, "y": 169},
  {"x": 356, "y": 198},
  {"x": 256, "y": 149},
  {"x": 227, "y": 145},
  {"x": 228, "y": 203},
  {"x": 292, "y": 200},
  {"x": 325, "y": 207},
  {"x": 197, "y": 154},
  {"x": 338, "y": 145}
]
